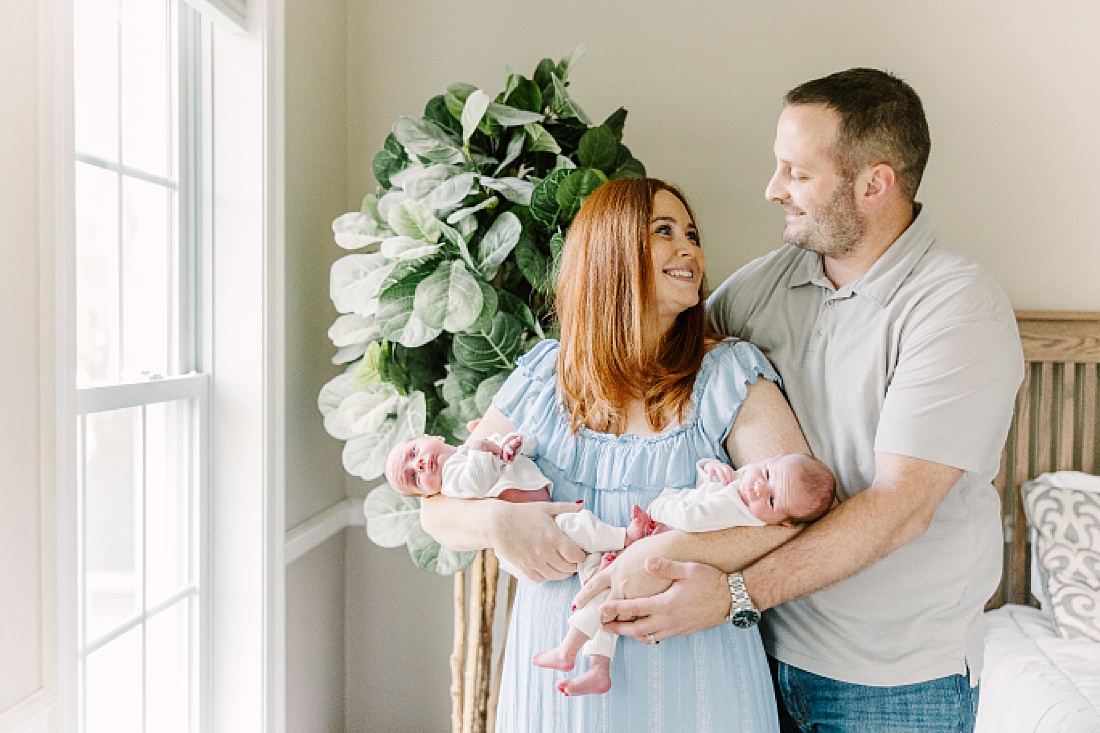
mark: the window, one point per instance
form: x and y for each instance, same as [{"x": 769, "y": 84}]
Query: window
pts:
[{"x": 142, "y": 399}]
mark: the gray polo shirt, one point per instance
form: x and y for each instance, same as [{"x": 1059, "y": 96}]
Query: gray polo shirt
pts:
[{"x": 919, "y": 357}]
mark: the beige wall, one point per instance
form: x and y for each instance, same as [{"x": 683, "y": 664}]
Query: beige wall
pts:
[
  {"x": 22, "y": 414},
  {"x": 1009, "y": 89},
  {"x": 316, "y": 188}
]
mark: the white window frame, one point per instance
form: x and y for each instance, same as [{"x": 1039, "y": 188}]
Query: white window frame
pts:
[
  {"x": 193, "y": 387},
  {"x": 243, "y": 227}
]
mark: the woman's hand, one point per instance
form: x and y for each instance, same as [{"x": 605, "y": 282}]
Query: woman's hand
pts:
[{"x": 527, "y": 537}]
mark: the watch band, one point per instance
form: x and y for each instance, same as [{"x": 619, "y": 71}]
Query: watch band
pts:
[{"x": 743, "y": 612}]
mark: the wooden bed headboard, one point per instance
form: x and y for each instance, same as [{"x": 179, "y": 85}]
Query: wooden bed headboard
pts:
[{"x": 1056, "y": 426}]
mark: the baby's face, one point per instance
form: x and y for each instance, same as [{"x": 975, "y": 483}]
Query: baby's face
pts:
[
  {"x": 769, "y": 487},
  {"x": 418, "y": 464}
]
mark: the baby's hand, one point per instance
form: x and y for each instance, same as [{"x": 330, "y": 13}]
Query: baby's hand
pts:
[
  {"x": 721, "y": 472},
  {"x": 510, "y": 447}
]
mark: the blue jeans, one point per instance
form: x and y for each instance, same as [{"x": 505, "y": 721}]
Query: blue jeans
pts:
[{"x": 812, "y": 704}]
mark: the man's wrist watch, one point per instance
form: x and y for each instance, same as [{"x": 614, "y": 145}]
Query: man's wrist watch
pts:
[{"x": 743, "y": 613}]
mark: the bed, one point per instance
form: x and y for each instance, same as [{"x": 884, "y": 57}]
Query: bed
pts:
[{"x": 1042, "y": 665}]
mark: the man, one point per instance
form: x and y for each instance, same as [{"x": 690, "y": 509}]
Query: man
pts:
[{"x": 901, "y": 359}]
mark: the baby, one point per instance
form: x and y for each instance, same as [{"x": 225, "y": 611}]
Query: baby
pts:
[{"x": 788, "y": 490}]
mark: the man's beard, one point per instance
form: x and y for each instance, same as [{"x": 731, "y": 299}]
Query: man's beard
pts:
[{"x": 835, "y": 229}]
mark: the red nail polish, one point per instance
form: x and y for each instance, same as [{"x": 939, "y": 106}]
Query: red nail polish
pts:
[
  {"x": 580, "y": 501},
  {"x": 574, "y": 607}
]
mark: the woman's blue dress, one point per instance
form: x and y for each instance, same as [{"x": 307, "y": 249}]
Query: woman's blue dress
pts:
[{"x": 714, "y": 680}]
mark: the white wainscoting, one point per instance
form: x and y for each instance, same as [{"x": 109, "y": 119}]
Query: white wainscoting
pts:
[{"x": 321, "y": 526}]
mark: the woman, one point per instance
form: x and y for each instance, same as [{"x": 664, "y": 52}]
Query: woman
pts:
[{"x": 635, "y": 394}]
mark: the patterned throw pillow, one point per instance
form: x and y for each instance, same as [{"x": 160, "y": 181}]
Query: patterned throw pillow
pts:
[{"x": 1064, "y": 510}]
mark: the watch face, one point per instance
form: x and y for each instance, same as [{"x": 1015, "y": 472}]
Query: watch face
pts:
[{"x": 745, "y": 618}]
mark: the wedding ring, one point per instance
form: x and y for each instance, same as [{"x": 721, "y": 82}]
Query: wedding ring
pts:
[{"x": 652, "y": 639}]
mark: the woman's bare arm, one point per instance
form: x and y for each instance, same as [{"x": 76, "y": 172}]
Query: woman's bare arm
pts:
[{"x": 525, "y": 534}]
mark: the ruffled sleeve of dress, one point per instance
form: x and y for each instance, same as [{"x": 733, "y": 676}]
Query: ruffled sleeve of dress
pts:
[
  {"x": 529, "y": 397},
  {"x": 724, "y": 380}
]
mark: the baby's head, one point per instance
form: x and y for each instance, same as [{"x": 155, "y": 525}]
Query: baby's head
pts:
[
  {"x": 792, "y": 489},
  {"x": 415, "y": 466}
]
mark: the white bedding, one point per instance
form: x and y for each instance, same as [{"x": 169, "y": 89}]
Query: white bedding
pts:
[{"x": 1035, "y": 680}]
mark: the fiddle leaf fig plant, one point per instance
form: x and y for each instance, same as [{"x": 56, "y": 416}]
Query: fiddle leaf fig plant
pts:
[{"x": 451, "y": 271}]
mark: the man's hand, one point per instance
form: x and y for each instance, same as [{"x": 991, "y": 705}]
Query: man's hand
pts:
[
  {"x": 627, "y": 576},
  {"x": 697, "y": 599}
]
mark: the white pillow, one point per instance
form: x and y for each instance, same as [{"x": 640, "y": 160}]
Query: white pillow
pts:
[{"x": 1063, "y": 514}]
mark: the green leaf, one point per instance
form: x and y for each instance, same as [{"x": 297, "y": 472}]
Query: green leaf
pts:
[
  {"x": 365, "y": 456},
  {"x": 544, "y": 76},
  {"x": 515, "y": 149},
  {"x": 544, "y": 199},
  {"x": 488, "y": 389},
  {"x": 413, "y": 219},
  {"x": 458, "y": 241},
  {"x": 532, "y": 263},
  {"x": 598, "y": 149},
  {"x": 427, "y": 140},
  {"x": 522, "y": 93},
  {"x": 516, "y": 190},
  {"x": 421, "y": 182},
  {"x": 472, "y": 112},
  {"x": 491, "y": 350},
  {"x": 575, "y": 188},
  {"x": 631, "y": 168},
  {"x": 456, "y": 216},
  {"x": 390, "y": 159},
  {"x": 566, "y": 64},
  {"x": 460, "y": 383},
  {"x": 431, "y": 556},
  {"x": 498, "y": 242},
  {"x": 455, "y": 98},
  {"x": 513, "y": 305},
  {"x": 449, "y": 298},
  {"x": 489, "y": 306},
  {"x": 565, "y": 106},
  {"x": 391, "y": 517},
  {"x": 368, "y": 372},
  {"x": 615, "y": 122},
  {"x": 397, "y": 319},
  {"x": 412, "y": 270},
  {"x": 450, "y": 193},
  {"x": 437, "y": 111},
  {"x": 511, "y": 117},
  {"x": 541, "y": 140},
  {"x": 355, "y": 281}
]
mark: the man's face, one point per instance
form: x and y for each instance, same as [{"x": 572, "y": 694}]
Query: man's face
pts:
[{"x": 818, "y": 199}]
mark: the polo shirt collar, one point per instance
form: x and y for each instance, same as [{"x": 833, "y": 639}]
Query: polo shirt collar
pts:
[{"x": 887, "y": 274}]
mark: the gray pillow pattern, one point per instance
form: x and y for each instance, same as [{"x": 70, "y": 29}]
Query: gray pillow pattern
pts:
[{"x": 1067, "y": 546}]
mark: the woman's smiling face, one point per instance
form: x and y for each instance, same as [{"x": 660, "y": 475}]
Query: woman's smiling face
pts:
[{"x": 678, "y": 260}]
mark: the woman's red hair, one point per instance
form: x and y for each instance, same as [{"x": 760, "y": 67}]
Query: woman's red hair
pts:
[{"x": 606, "y": 306}]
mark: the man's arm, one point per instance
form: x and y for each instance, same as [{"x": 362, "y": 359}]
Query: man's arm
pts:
[{"x": 895, "y": 510}]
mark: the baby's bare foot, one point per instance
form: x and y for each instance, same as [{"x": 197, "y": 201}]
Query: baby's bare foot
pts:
[
  {"x": 640, "y": 526},
  {"x": 596, "y": 681},
  {"x": 555, "y": 658}
]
